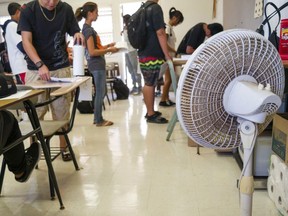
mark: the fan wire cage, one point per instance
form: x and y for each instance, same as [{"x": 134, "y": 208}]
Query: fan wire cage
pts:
[{"x": 208, "y": 72}]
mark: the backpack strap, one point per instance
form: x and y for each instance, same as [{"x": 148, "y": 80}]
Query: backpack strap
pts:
[{"x": 4, "y": 26}]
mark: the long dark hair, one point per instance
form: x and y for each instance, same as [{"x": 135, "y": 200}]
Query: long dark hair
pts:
[
  {"x": 173, "y": 12},
  {"x": 82, "y": 12}
]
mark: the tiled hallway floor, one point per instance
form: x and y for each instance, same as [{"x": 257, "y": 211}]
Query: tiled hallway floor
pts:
[{"x": 129, "y": 169}]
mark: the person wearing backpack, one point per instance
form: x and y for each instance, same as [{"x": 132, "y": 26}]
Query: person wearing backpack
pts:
[
  {"x": 94, "y": 54},
  {"x": 152, "y": 56},
  {"x": 131, "y": 60},
  {"x": 175, "y": 18},
  {"x": 16, "y": 57}
]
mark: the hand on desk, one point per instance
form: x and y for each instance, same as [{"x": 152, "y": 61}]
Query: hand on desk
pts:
[{"x": 44, "y": 73}]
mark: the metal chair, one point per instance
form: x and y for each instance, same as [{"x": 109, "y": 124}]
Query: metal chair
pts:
[
  {"x": 35, "y": 130},
  {"x": 52, "y": 128},
  {"x": 174, "y": 118},
  {"x": 112, "y": 72}
]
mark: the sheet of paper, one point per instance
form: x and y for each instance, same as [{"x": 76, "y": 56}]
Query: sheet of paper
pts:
[
  {"x": 17, "y": 95},
  {"x": 86, "y": 91},
  {"x": 122, "y": 46},
  {"x": 66, "y": 79}
]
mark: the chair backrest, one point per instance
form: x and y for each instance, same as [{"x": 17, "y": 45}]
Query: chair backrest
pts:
[{"x": 112, "y": 70}]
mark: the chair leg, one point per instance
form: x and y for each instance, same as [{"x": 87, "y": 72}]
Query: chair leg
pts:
[
  {"x": 112, "y": 91},
  {"x": 2, "y": 174},
  {"x": 171, "y": 125},
  {"x": 71, "y": 152},
  {"x": 198, "y": 149},
  {"x": 108, "y": 99},
  {"x": 52, "y": 191},
  {"x": 171, "y": 122}
]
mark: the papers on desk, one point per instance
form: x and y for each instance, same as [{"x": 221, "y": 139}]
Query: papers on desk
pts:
[
  {"x": 64, "y": 80},
  {"x": 17, "y": 95}
]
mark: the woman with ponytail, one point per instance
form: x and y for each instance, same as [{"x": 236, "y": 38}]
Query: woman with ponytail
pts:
[
  {"x": 175, "y": 18},
  {"x": 94, "y": 54}
]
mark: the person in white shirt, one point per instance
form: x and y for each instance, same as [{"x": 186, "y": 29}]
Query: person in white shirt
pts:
[
  {"x": 175, "y": 18},
  {"x": 16, "y": 57},
  {"x": 131, "y": 60}
]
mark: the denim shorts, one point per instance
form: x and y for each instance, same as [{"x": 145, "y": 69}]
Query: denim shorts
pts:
[{"x": 150, "y": 68}]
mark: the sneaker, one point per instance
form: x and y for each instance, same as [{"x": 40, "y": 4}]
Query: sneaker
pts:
[
  {"x": 156, "y": 119},
  {"x": 134, "y": 91},
  {"x": 104, "y": 123},
  {"x": 166, "y": 103},
  {"x": 32, "y": 157},
  {"x": 158, "y": 94},
  {"x": 66, "y": 156}
]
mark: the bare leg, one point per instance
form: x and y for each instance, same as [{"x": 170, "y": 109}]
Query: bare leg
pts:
[
  {"x": 167, "y": 83},
  {"x": 148, "y": 93}
]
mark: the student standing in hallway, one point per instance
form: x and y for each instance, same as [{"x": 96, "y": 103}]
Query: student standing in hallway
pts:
[
  {"x": 131, "y": 60},
  {"x": 94, "y": 54},
  {"x": 16, "y": 57},
  {"x": 175, "y": 18},
  {"x": 152, "y": 56}
]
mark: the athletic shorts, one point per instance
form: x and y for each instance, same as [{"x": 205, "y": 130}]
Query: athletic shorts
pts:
[
  {"x": 60, "y": 108},
  {"x": 150, "y": 68}
]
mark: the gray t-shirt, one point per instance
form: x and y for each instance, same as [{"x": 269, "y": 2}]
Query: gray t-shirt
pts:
[{"x": 94, "y": 62}]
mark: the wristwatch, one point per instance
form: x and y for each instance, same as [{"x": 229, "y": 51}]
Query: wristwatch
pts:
[{"x": 39, "y": 64}]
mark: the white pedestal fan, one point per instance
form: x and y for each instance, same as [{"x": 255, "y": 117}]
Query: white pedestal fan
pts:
[{"x": 227, "y": 94}]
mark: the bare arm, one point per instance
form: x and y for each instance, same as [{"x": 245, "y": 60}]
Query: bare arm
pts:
[
  {"x": 98, "y": 52},
  {"x": 163, "y": 42},
  {"x": 189, "y": 49},
  {"x": 33, "y": 55}
]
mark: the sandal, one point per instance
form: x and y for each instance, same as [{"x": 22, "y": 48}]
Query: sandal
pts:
[
  {"x": 156, "y": 119},
  {"x": 156, "y": 113},
  {"x": 104, "y": 123},
  {"x": 66, "y": 156}
]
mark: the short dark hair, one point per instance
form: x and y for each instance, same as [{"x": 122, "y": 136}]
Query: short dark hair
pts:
[
  {"x": 13, "y": 7},
  {"x": 215, "y": 28},
  {"x": 126, "y": 18}
]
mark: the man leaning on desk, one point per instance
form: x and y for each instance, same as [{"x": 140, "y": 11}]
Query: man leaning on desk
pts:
[
  {"x": 196, "y": 36},
  {"x": 43, "y": 25}
]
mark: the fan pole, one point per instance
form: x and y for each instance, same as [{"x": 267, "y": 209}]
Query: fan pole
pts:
[{"x": 248, "y": 137}]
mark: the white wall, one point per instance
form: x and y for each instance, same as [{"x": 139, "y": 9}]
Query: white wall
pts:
[
  {"x": 274, "y": 20},
  {"x": 230, "y": 13},
  {"x": 240, "y": 14}
]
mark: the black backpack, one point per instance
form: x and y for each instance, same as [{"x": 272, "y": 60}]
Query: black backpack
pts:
[
  {"x": 3, "y": 49},
  {"x": 121, "y": 90},
  {"x": 136, "y": 27}
]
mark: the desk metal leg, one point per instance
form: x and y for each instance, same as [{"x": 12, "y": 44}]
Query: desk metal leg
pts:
[
  {"x": 36, "y": 124},
  {"x": 2, "y": 174}
]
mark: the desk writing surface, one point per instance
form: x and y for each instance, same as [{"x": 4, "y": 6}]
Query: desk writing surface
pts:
[
  {"x": 63, "y": 87},
  {"x": 6, "y": 103},
  {"x": 179, "y": 61}
]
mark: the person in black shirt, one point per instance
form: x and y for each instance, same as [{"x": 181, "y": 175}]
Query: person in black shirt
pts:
[
  {"x": 151, "y": 57},
  {"x": 43, "y": 25},
  {"x": 196, "y": 36}
]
